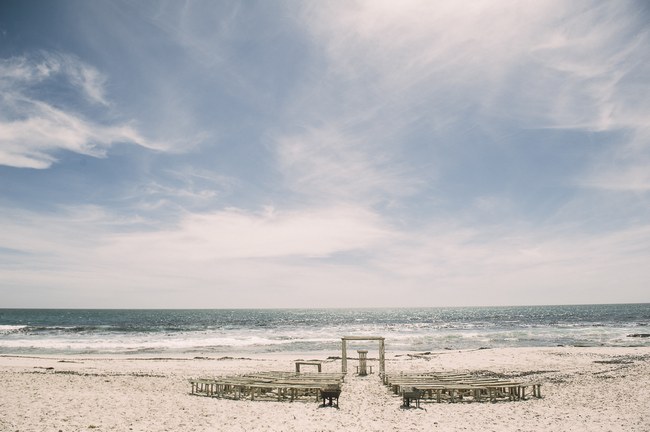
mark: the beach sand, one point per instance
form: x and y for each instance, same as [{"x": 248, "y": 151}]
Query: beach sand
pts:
[{"x": 584, "y": 389}]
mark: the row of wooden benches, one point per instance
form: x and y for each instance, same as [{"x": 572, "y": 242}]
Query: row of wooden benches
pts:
[
  {"x": 272, "y": 385},
  {"x": 447, "y": 387}
]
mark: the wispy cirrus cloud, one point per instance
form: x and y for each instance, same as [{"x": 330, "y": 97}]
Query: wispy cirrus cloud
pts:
[
  {"x": 332, "y": 165},
  {"x": 488, "y": 66},
  {"x": 33, "y": 140},
  {"x": 182, "y": 190},
  {"x": 33, "y": 129},
  {"x": 496, "y": 55},
  {"x": 23, "y": 73},
  {"x": 397, "y": 81}
]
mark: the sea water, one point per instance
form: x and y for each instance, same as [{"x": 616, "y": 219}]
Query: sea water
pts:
[{"x": 221, "y": 331}]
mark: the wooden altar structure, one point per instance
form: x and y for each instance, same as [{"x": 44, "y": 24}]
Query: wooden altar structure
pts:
[{"x": 382, "y": 351}]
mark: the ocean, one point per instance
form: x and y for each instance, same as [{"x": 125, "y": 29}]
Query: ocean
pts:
[{"x": 255, "y": 331}]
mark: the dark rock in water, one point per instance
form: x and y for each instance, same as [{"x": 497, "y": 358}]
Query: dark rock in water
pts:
[{"x": 641, "y": 335}]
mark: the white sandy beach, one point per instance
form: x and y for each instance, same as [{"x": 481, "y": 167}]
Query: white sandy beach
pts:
[{"x": 584, "y": 389}]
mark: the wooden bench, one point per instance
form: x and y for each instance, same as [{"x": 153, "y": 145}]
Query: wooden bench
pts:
[
  {"x": 330, "y": 393},
  {"x": 409, "y": 394},
  {"x": 275, "y": 385},
  {"x": 309, "y": 363},
  {"x": 459, "y": 388}
]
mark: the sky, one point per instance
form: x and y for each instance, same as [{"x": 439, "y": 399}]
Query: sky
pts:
[{"x": 229, "y": 154}]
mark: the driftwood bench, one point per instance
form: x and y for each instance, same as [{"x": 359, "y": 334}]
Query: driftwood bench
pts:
[
  {"x": 329, "y": 394},
  {"x": 318, "y": 364},
  {"x": 411, "y": 394},
  {"x": 271, "y": 385},
  {"x": 459, "y": 388}
]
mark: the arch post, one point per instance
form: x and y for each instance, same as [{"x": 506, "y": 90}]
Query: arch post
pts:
[
  {"x": 382, "y": 358},
  {"x": 344, "y": 355}
]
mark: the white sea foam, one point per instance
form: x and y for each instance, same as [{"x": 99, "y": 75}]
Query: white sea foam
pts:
[
  {"x": 89, "y": 331},
  {"x": 175, "y": 342},
  {"x": 7, "y": 329}
]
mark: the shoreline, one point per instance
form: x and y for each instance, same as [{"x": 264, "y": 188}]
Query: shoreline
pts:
[{"x": 595, "y": 389}]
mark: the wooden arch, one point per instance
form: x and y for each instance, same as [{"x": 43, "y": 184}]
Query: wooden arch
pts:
[{"x": 344, "y": 351}]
